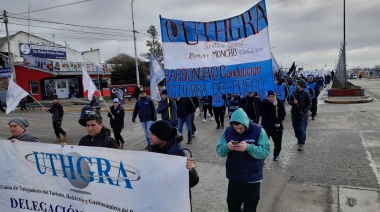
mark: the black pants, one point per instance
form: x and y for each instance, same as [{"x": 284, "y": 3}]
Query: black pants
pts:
[
  {"x": 118, "y": 138},
  {"x": 193, "y": 128},
  {"x": 205, "y": 108},
  {"x": 23, "y": 108},
  {"x": 239, "y": 193},
  {"x": 276, "y": 134},
  {"x": 57, "y": 128},
  {"x": 2, "y": 109},
  {"x": 313, "y": 109},
  {"x": 219, "y": 115}
]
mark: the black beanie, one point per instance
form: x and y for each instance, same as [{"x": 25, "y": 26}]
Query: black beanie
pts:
[
  {"x": 162, "y": 129},
  {"x": 164, "y": 92},
  {"x": 302, "y": 83}
]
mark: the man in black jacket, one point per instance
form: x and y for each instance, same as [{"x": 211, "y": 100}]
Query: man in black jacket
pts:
[
  {"x": 272, "y": 114},
  {"x": 185, "y": 107},
  {"x": 251, "y": 105},
  {"x": 301, "y": 104},
  {"x": 56, "y": 110},
  {"x": 98, "y": 135},
  {"x": 116, "y": 116}
]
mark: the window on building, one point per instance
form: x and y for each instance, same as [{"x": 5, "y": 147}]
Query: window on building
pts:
[
  {"x": 105, "y": 83},
  {"x": 96, "y": 83},
  {"x": 34, "y": 87}
]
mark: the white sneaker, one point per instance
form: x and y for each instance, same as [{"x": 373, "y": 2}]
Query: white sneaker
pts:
[
  {"x": 208, "y": 115},
  {"x": 212, "y": 118},
  {"x": 195, "y": 133},
  {"x": 204, "y": 120}
]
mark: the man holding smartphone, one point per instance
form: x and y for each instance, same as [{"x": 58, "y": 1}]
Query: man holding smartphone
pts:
[{"x": 246, "y": 145}]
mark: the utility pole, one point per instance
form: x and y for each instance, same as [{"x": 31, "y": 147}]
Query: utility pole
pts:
[
  {"x": 10, "y": 57},
  {"x": 134, "y": 39},
  {"x": 344, "y": 44}
]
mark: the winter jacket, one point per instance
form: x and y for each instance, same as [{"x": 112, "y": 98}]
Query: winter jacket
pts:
[
  {"x": 174, "y": 147},
  {"x": 206, "y": 100},
  {"x": 233, "y": 104},
  {"x": 244, "y": 166},
  {"x": 25, "y": 136},
  {"x": 185, "y": 107},
  {"x": 57, "y": 111},
  {"x": 103, "y": 139},
  {"x": 117, "y": 121},
  {"x": 269, "y": 117},
  {"x": 251, "y": 105},
  {"x": 145, "y": 109},
  {"x": 166, "y": 105},
  {"x": 304, "y": 103}
]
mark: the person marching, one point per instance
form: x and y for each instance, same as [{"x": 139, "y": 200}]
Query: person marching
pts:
[
  {"x": 116, "y": 116},
  {"x": 219, "y": 107},
  {"x": 312, "y": 83},
  {"x": 167, "y": 107},
  {"x": 272, "y": 114},
  {"x": 281, "y": 90},
  {"x": 251, "y": 105},
  {"x": 29, "y": 101},
  {"x": 56, "y": 110}
]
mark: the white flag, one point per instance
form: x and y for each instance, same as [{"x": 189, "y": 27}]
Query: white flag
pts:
[
  {"x": 88, "y": 84},
  {"x": 157, "y": 74},
  {"x": 14, "y": 95}
]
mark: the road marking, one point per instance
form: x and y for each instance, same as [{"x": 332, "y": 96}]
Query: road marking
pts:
[{"x": 369, "y": 156}]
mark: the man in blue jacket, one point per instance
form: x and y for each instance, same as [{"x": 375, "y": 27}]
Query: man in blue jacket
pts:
[
  {"x": 246, "y": 146},
  {"x": 147, "y": 113}
]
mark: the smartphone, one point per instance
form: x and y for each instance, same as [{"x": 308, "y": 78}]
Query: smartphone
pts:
[{"x": 235, "y": 142}]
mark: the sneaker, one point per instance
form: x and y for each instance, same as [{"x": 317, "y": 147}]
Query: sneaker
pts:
[
  {"x": 312, "y": 118},
  {"x": 65, "y": 136},
  {"x": 195, "y": 133},
  {"x": 58, "y": 139},
  {"x": 276, "y": 158},
  {"x": 218, "y": 127},
  {"x": 189, "y": 142},
  {"x": 300, "y": 147},
  {"x": 212, "y": 118},
  {"x": 204, "y": 120},
  {"x": 208, "y": 115},
  {"x": 222, "y": 126}
]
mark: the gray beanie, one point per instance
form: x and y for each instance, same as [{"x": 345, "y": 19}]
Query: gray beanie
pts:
[
  {"x": 302, "y": 83},
  {"x": 20, "y": 122}
]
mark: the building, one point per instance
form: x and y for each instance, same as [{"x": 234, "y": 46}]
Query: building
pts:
[{"x": 39, "y": 62}]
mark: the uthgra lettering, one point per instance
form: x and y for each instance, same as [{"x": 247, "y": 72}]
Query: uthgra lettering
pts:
[{"x": 231, "y": 29}]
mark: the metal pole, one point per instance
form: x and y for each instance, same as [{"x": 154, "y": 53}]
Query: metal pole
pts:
[
  {"x": 134, "y": 39},
  {"x": 344, "y": 44},
  {"x": 10, "y": 57}
]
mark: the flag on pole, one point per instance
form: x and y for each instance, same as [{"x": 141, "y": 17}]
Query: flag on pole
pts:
[
  {"x": 14, "y": 95},
  {"x": 88, "y": 84},
  {"x": 292, "y": 69},
  {"x": 157, "y": 74}
]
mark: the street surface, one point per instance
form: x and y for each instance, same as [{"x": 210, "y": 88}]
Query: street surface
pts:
[{"x": 342, "y": 148}]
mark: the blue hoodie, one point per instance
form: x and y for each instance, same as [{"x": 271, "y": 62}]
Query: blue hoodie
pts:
[{"x": 244, "y": 166}]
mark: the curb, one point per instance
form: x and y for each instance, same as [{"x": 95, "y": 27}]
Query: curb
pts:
[
  {"x": 336, "y": 101},
  {"x": 80, "y": 109}
]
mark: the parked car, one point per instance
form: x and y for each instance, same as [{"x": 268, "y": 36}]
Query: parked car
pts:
[{"x": 353, "y": 76}]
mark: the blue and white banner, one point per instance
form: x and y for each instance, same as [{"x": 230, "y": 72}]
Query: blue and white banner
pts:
[
  {"x": 157, "y": 74},
  {"x": 41, "y": 51},
  {"x": 47, "y": 177},
  {"x": 223, "y": 56}
]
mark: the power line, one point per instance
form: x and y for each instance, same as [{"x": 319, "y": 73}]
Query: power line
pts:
[{"x": 48, "y": 8}]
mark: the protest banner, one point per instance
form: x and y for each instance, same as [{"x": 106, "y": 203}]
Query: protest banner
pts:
[
  {"x": 224, "y": 56},
  {"x": 47, "y": 177}
]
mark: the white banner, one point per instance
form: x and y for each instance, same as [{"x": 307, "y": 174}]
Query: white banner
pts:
[
  {"x": 14, "y": 95},
  {"x": 157, "y": 74},
  {"x": 47, "y": 177}
]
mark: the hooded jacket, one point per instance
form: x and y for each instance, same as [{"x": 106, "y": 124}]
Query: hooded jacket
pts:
[
  {"x": 25, "y": 136},
  {"x": 145, "y": 109},
  {"x": 163, "y": 108},
  {"x": 117, "y": 121},
  {"x": 103, "y": 139},
  {"x": 268, "y": 114},
  {"x": 244, "y": 166}
]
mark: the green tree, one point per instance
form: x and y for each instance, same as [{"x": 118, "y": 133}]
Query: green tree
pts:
[
  {"x": 125, "y": 70},
  {"x": 153, "y": 43}
]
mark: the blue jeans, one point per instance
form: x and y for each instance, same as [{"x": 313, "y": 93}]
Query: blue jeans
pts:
[
  {"x": 299, "y": 123},
  {"x": 146, "y": 126},
  {"x": 187, "y": 120}
]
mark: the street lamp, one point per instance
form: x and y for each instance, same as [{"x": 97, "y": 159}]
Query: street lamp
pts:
[
  {"x": 282, "y": 59},
  {"x": 134, "y": 40}
]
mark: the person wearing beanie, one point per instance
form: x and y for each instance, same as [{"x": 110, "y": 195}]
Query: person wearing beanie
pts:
[
  {"x": 301, "y": 104},
  {"x": 272, "y": 114},
  {"x": 167, "y": 107},
  {"x": 166, "y": 139},
  {"x": 17, "y": 128},
  {"x": 116, "y": 116}
]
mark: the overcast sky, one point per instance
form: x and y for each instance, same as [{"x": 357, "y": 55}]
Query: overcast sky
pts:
[{"x": 309, "y": 32}]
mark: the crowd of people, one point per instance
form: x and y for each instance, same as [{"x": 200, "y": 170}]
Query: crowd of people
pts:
[{"x": 244, "y": 140}]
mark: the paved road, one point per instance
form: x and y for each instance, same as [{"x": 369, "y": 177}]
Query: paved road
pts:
[{"x": 343, "y": 148}]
